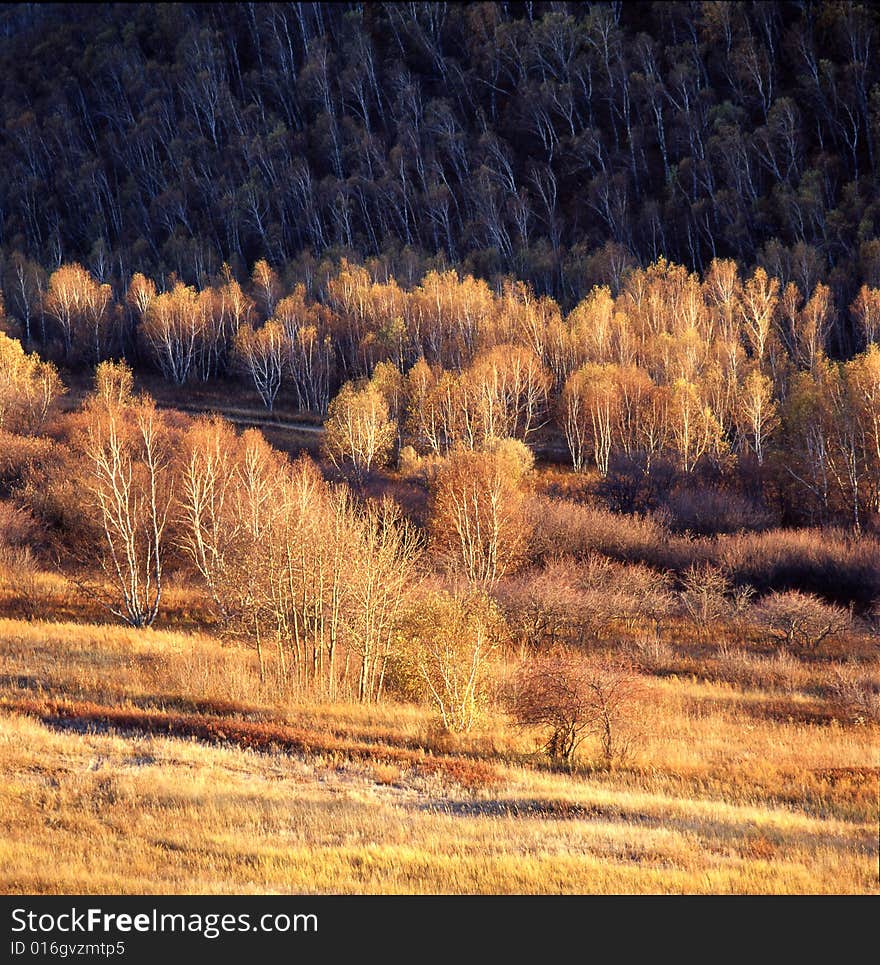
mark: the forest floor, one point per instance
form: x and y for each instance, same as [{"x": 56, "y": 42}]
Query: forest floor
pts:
[{"x": 157, "y": 762}]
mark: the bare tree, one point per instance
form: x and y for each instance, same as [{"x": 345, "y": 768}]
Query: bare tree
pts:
[
  {"x": 570, "y": 697},
  {"x": 173, "y": 328},
  {"x": 128, "y": 484},
  {"x": 866, "y": 312},
  {"x": 756, "y": 413},
  {"x": 25, "y": 285},
  {"x": 381, "y": 571},
  {"x": 704, "y": 594}
]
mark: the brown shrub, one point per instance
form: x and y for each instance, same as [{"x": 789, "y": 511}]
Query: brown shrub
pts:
[
  {"x": 20, "y": 456},
  {"x": 827, "y": 563},
  {"x": 707, "y": 511},
  {"x": 651, "y": 654},
  {"x": 856, "y": 691},
  {"x": 570, "y": 697},
  {"x": 544, "y": 606},
  {"x": 781, "y": 671},
  {"x": 567, "y": 600},
  {"x": 17, "y": 526},
  {"x": 704, "y": 595},
  {"x": 564, "y": 527},
  {"x": 801, "y": 620}
]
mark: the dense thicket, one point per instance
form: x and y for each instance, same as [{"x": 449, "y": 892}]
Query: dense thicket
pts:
[{"x": 556, "y": 142}]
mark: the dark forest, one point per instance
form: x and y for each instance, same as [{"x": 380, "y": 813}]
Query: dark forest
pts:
[{"x": 555, "y": 142}]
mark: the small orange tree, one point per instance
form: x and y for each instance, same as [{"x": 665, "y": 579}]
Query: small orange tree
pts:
[
  {"x": 570, "y": 697},
  {"x": 478, "y": 525}
]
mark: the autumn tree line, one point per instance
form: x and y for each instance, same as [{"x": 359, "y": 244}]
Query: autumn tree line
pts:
[
  {"x": 729, "y": 372},
  {"x": 498, "y": 591},
  {"x": 555, "y": 142}
]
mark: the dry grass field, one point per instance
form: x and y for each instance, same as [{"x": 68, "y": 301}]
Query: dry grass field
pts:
[{"x": 156, "y": 762}]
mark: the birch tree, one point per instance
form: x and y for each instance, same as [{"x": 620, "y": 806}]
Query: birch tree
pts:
[
  {"x": 260, "y": 356},
  {"x": 128, "y": 484},
  {"x": 359, "y": 435}
]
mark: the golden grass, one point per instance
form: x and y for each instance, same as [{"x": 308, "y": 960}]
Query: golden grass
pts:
[{"x": 723, "y": 792}]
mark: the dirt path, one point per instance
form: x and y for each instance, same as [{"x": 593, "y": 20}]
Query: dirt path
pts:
[{"x": 245, "y": 417}]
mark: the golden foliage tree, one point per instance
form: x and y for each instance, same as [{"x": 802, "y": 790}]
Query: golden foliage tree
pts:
[
  {"x": 28, "y": 387},
  {"x": 82, "y": 308},
  {"x": 260, "y": 355},
  {"x": 359, "y": 434},
  {"x": 452, "y": 638},
  {"x": 477, "y": 524},
  {"x": 127, "y": 474}
]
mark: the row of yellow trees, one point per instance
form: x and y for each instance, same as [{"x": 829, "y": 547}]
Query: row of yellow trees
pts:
[
  {"x": 673, "y": 366},
  {"x": 665, "y": 320}
]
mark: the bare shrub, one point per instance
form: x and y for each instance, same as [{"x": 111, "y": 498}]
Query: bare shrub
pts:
[
  {"x": 741, "y": 599},
  {"x": 571, "y": 697},
  {"x": 856, "y": 691},
  {"x": 651, "y": 654},
  {"x": 568, "y": 600},
  {"x": 785, "y": 671},
  {"x": 17, "y": 526},
  {"x": 801, "y": 620},
  {"x": 561, "y": 526},
  {"x": 707, "y": 510},
  {"x": 704, "y": 594},
  {"x": 21, "y": 455},
  {"x": 636, "y": 594},
  {"x": 635, "y": 485},
  {"x": 19, "y": 569},
  {"x": 810, "y": 560},
  {"x": 543, "y": 607}
]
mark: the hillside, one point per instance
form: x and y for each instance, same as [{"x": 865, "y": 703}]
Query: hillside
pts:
[
  {"x": 557, "y": 143},
  {"x": 440, "y": 453}
]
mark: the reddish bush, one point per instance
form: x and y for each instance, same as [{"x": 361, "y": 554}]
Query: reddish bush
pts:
[
  {"x": 801, "y": 620},
  {"x": 570, "y": 697}
]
